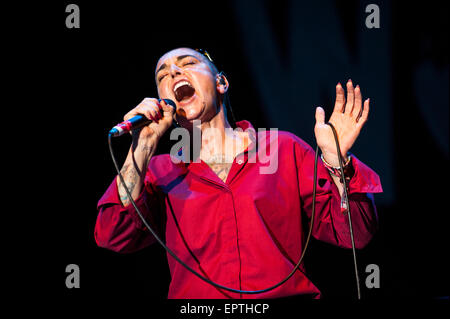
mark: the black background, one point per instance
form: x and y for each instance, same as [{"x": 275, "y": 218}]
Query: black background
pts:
[{"x": 88, "y": 78}]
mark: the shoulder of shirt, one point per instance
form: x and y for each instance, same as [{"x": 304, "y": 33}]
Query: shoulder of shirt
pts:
[
  {"x": 288, "y": 139},
  {"x": 163, "y": 162},
  {"x": 161, "y": 168}
]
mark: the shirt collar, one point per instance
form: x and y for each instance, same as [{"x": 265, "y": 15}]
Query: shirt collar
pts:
[
  {"x": 245, "y": 126},
  {"x": 200, "y": 168}
]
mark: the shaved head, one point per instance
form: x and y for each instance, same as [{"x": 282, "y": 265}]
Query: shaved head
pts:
[{"x": 183, "y": 51}]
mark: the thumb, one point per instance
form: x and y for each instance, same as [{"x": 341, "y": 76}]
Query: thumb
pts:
[
  {"x": 320, "y": 115},
  {"x": 166, "y": 107}
]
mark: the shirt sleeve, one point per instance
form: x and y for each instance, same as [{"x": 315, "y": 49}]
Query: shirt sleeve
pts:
[
  {"x": 330, "y": 224},
  {"x": 120, "y": 228}
]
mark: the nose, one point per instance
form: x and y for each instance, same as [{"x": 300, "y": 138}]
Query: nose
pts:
[{"x": 175, "y": 70}]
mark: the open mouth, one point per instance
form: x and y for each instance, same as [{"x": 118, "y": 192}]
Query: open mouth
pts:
[{"x": 183, "y": 90}]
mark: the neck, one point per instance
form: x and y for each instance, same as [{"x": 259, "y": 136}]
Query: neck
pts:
[{"x": 219, "y": 142}]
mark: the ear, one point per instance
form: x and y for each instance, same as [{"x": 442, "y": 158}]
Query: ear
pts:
[{"x": 221, "y": 83}]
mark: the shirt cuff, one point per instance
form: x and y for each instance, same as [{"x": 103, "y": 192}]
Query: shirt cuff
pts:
[
  {"x": 364, "y": 179},
  {"x": 111, "y": 197}
]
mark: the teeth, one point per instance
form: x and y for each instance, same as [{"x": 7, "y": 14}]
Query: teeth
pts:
[{"x": 181, "y": 83}]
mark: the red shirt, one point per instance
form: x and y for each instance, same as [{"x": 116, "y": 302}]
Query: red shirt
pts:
[{"x": 246, "y": 233}]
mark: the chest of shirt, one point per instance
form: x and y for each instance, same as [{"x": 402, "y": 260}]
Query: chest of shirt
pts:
[{"x": 198, "y": 202}]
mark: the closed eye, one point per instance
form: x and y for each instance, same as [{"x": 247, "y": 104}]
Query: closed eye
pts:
[
  {"x": 189, "y": 63},
  {"x": 161, "y": 77}
]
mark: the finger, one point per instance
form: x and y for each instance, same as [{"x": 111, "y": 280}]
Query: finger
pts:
[
  {"x": 153, "y": 106},
  {"x": 167, "y": 107},
  {"x": 159, "y": 104},
  {"x": 139, "y": 110},
  {"x": 158, "y": 108},
  {"x": 132, "y": 113},
  {"x": 162, "y": 104},
  {"x": 350, "y": 97},
  {"x": 151, "y": 116},
  {"x": 365, "y": 113},
  {"x": 320, "y": 115},
  {"x": 129, "y": 115},
  {"x": 147, "y": 111},
  {"x": 156, "y": 112},
  {"x": 340, "y": 99},
  {"x": 356, "y": 112}
]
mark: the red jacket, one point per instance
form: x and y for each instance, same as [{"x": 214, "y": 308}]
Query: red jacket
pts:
[{"x": 247, "y": 233}]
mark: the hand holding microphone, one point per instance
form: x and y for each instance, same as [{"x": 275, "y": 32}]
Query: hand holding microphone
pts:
[
  {"x": 149, "y": 120},
  {"x": 152, "y": 116}
]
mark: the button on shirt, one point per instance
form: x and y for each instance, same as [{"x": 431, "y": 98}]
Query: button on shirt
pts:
[{"x": 245, "y": 233}]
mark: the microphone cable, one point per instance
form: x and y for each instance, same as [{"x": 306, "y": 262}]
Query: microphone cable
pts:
[
  {"x": 304, "y": 248},
  {"x": 345, "y": 194}
]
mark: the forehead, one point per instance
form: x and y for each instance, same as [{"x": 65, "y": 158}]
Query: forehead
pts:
[{"x": 173, "y": 54}]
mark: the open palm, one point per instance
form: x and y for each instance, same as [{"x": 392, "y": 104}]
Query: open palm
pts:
[{"x": 348, "y": 118}]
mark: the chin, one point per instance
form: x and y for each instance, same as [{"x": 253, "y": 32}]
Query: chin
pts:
[{"x": 192, "y": 111}]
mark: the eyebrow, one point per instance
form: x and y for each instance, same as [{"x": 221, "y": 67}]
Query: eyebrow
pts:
[{"x": 180, "y": 57}]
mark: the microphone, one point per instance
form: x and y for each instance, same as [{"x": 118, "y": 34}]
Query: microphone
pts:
[{"x": 135, "y": 122}]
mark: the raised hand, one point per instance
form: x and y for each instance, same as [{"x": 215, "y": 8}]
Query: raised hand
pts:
[{"x": 348, "y": 118}]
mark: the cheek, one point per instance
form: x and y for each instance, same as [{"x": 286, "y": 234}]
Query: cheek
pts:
[
  {"x": 163, "y": 91},
  {"x": 205, "y": 80},
  {"x": 208, "y": 89}
]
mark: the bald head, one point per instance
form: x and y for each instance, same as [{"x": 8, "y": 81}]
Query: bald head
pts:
[{"x": 181, "y": 53}]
